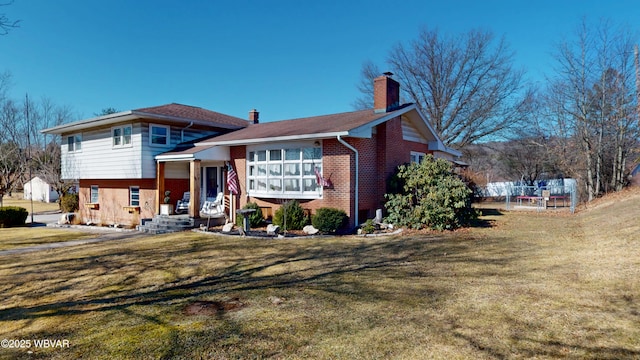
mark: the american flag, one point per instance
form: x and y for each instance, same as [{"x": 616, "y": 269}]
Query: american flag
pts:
[
  {"x": 232, "y": 180},
  {"x": 320, "y": 180}
]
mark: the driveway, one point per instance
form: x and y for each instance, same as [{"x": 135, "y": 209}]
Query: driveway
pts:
[{"x": 42, "y": 219}]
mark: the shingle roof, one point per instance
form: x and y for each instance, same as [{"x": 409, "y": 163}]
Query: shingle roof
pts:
[
  {"x": 192, "y": 113},
  {"x": 325, "y": 124}
]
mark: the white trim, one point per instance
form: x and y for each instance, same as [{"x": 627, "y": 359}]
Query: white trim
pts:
[
  {"x": 274, "y": 139},
  {"x": 282, "y": 177},
  {"x": 418, "y": 154},
  {"x": 131, "y": 193},
  {"x": 97, "y": 192},
  {"x": 175, "y": 157},
  {"x": 168, "y": 137},
  {"x": 75, "y": 138},
  {"x": 122, "y": 136}
]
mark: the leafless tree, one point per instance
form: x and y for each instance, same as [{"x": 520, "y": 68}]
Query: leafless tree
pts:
[
  {"x": 593, "y": 102},
  {"x": 7, "y": 24},
  {"x": 466, "y": 85}
]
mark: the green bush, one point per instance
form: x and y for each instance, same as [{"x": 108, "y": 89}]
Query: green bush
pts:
[
  {"x": 11, "y": 216},
  {"x": 369, "y": 227},
  {"x": 255, "y": 218},
  {"x": 296, "y": 218},
  {"x": 69, "y": 203},
  {"x": 432, "y": 196},
  {"x": 329, "y": 220}
]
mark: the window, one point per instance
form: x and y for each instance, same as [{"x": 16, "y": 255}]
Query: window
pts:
[
  {"x": 159, "y": 135},
  {"x": 134, "y": 196},
  {"x": 93, "y": 195},
  {"x": 417, "y": 157},
  {"x": 288, "y": 172},
  {"x": 121, "y": 136},
  {"x": 74, "y": 143}
]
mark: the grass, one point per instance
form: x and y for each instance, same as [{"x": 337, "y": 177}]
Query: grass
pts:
[
  {"x": 528, "y": 286},
  {"x": 38, "y": 206},
  {"x": 18, "y": 237}
]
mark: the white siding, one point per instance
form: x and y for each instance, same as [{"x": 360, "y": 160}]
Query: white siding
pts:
[
  {"x": 176, "y": 136},
  {"x": 176, "y": 170},
  {"x": 98, "y": 159},
  {"x": 410, "y": 132}
]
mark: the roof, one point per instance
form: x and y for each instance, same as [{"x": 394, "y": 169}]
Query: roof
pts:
[
  {"x": 344, "y": 124},
  {"x": 187, "y": 112},
  {"x": 174, "y": 113}
]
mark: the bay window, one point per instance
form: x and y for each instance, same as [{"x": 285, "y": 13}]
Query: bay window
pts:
[{"x": 286, "y": 171}]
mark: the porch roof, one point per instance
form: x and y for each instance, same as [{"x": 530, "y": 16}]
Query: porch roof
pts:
[{"x": 193, "y": 152}]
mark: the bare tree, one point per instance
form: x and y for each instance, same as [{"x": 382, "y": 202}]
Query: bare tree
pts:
[
  {"x": 592, "y": 100},
  {"x": 12, "y": 157},
  {"x": 466, "y": 85},
  {"x": 7, "y": 24}
]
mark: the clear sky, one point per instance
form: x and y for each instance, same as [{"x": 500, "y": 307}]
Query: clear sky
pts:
[{"x": 288, "y": 59}]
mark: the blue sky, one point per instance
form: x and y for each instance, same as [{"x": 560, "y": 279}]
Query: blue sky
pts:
[{"x": 287, "y": 59}]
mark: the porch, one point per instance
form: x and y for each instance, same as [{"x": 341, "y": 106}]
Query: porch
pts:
[{"x": 193, "y": 178}]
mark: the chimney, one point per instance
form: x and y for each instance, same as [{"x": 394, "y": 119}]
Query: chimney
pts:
[
  {"x": 386, "y": 93},
  {"x": 253, "y": 116}
]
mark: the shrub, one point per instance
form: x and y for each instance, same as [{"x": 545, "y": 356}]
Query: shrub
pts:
[
  {"x": 255, "y": 218},
  {"x": 11, "y": 216},
  {"x": 69, "y": 203},
  {"x": 296, "y": 218},
  {"x": 369, "y": 227},
  {"x": 433, "y": 196},
  {"x": 329, "y": 220}
]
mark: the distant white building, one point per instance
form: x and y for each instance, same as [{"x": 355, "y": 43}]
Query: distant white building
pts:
[{"x": 40, "y": 190}]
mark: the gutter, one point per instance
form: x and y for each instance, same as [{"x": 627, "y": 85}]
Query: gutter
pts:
[
  {"x": 355, "y": 215},
  {"x": 182, "y": 131}
]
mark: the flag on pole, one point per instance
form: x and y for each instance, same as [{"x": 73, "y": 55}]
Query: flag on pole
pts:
[
  {"x": 232, "y": 180},
  {"x": 320, "y": 180}
]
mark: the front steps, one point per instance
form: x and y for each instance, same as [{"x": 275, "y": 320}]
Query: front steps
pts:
[{"x": 163, "y": 224}]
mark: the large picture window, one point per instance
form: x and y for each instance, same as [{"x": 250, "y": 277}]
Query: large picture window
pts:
[{"x": 287, "y": 171}]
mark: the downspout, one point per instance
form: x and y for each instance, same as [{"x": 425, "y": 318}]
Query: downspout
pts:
[
  {"x": 182, "y": 131},
  {"x": 355, "y": 215}
]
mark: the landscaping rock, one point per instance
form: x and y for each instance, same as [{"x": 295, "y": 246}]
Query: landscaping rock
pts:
[
  {"x": 273, "y": 229},
  {"x": 66, "y": 218},
  {"x": 310, "y": 230},
  {"x": 227, "y": 227}
]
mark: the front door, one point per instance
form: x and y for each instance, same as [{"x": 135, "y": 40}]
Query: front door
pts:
[{"x": 210, "y": 183}]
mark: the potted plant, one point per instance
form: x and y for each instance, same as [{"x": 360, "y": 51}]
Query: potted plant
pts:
[{"x": 167, "y": 207}]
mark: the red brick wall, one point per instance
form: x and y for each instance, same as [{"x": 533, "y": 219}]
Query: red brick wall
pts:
[{"x": 378, "y": 156}]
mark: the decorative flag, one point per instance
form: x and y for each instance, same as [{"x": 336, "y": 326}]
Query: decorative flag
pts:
[
  {"x": 232, "y": 180},
  {"x": 320, "y": 180}
]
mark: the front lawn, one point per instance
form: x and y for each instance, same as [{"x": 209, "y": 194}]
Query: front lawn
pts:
[{"x": 531, "y": 285}]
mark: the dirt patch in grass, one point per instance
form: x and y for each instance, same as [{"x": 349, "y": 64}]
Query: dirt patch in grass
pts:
[{"x": 217, "y": 308}]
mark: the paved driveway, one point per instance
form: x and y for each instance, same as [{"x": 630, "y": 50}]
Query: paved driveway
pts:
[{"x": 44, "y": 219}]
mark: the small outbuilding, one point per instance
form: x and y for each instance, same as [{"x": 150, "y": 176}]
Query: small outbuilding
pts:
[{"x": 40, "y": 190}]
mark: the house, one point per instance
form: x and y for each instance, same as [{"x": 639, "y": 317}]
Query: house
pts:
[
  {"x": 126, "y": 162},
  {"x": 39, "y": 190}
]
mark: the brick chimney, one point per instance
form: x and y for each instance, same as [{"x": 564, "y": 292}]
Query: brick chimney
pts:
[
  {"x": 386, "y": 93},
  {"x": 253, "y": 116}
]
